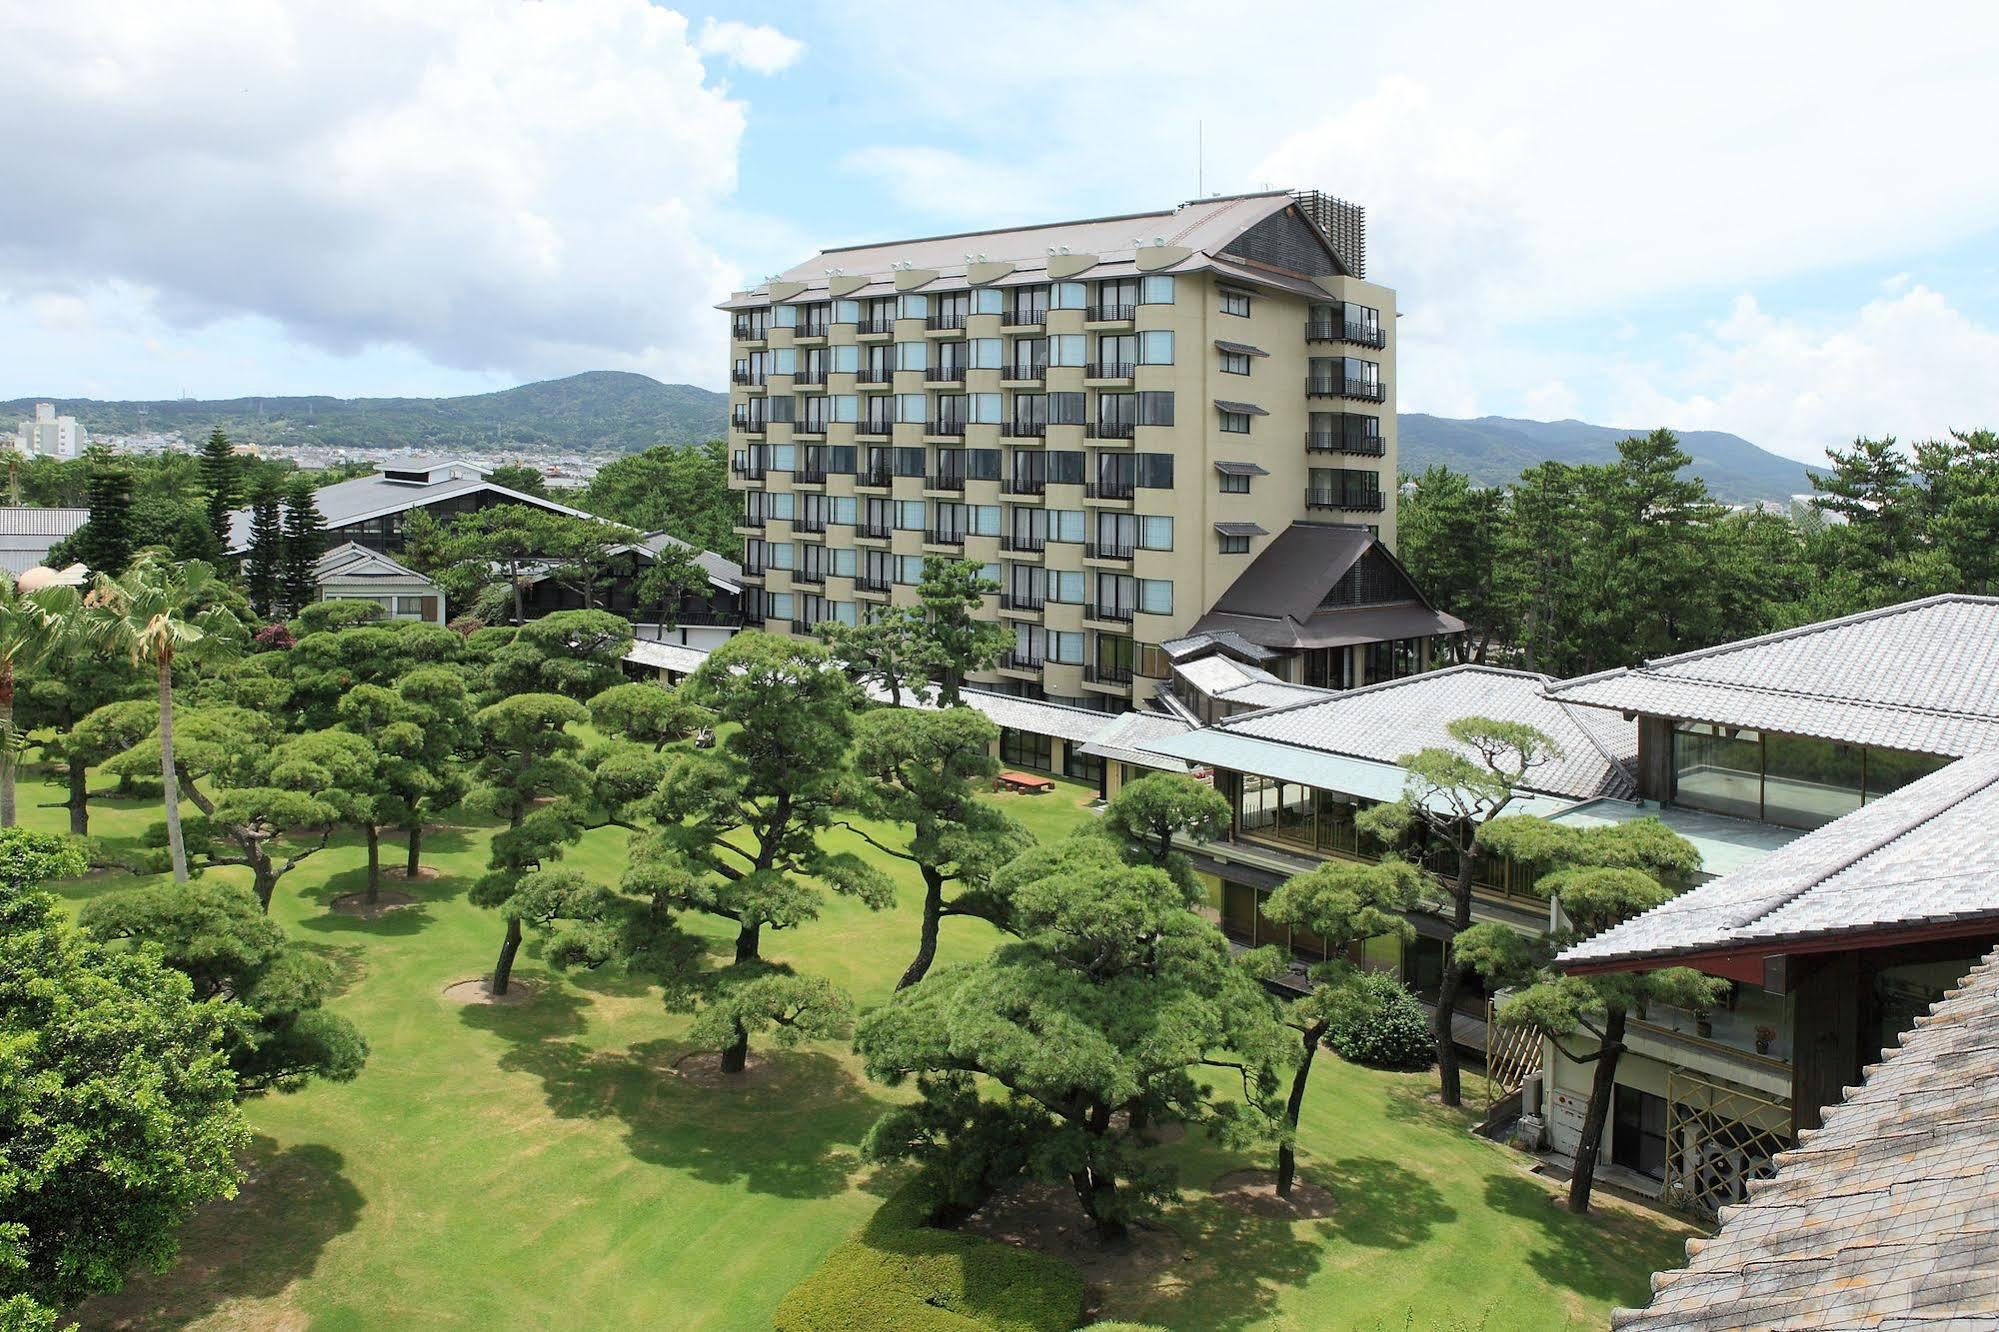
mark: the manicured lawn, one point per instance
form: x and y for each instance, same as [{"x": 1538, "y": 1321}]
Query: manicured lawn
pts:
[{"x": 541, "y": 1166}]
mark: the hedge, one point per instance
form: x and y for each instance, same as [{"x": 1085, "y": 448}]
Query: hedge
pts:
[{"x": 900, "y": 1275}]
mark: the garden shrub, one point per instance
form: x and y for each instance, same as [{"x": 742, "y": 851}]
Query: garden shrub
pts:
[
  {"x": 1379, "y": 1023},
  {"x": 898, "y": 1274}
]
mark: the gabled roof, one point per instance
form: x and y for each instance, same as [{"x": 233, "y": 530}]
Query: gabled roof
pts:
[
  {"x": 1921, "y": 676},
  {"x": 1922, "y": 857},
  {"x": 1206, "y": 227},
  {"x": 1123, "y": 740},
  {"x": 1200, "y": 645},
  {"x": 1384, "y": 721},
  {"x": 1886, "y": 1217},
  {"x": 351, "y": 559},
  {"x": 1278, "y": 600},
  {"x": 1230, "y": 681},
  {"x": 363, "y": 497}
]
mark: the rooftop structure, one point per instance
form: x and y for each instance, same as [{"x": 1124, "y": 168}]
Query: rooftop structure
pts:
[{"x": 28, "y": 534}]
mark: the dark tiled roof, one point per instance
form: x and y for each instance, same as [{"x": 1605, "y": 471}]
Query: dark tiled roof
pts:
[
  {"x": 1240, "y": 408},
  {"x": 1242, "y": 529},
  {"x": 1239, "y": 348},
  {"x": 1887, "y": 1217},
  {"x": 1241, "y": 469}
]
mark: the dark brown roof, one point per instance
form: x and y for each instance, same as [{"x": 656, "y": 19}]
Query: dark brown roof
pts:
[
  {"x": 1240, "y": 408},
  {"x": 1241, "y": 469},
  {"x": 1277, "y": 600}
]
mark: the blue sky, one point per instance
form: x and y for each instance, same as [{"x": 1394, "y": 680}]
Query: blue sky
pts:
[{"x": 1624, "y": 214}]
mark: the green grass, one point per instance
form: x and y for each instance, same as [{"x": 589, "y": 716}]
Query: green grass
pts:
[{"x": 539, "y": 1166}]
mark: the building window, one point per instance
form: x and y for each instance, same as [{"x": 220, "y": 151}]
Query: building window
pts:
[
  {"x": 1235, "y": 302},
  {"x": 1156, "y": 289},
  {"x": 1024, "y": 749},
  {"x": 1155, "y": 347},
  {"x": 1235, "y": 483},
  {"x": 1234, "y": 545},
  {"x": 1080, "y": 766},
  {"x": 1235, "y": 363},
  {"x": 1155, "y": 408},
  {"x": 1235, "y": 423}
]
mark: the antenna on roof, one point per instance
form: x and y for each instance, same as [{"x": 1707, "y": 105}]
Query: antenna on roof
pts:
[{"x": 1200, "y": 152}]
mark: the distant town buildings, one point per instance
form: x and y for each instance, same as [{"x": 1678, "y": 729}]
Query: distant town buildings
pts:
[{"x": 47, "y": 435}]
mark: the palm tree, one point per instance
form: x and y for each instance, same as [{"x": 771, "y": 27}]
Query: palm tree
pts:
[{"x": 157, "y": 610}]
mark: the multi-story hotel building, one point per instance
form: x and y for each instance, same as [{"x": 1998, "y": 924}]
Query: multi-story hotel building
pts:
[{"x": 1113, "y": 416}]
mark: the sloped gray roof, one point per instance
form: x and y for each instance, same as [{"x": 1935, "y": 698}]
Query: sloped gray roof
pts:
[
  {"x": 361, "y": 497},
  {"x": 1240, "y": 408},
  {"x": 1924, "y": 855},
  {"x": 1385, "y": 721},
  {"x": 345, "y": 559},
  {"x": 27, "y": 534},
  {"x": 1238, "y": 348},
  {"x": 1243, "y": 529},
  {"x": 1886, "y": 1217},
  {"x": 1922, "y": 676},
  {"x": 1193, "y": 645},
  {"x": 1122, "y": 741},
  {"x": 1232, "y": 681},
  {"x": 667, "y": 656},
  {"x": 1227, "y": 468}
]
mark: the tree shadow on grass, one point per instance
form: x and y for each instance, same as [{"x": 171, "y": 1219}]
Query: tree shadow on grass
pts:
[
  {"x": 1416, "y": 1101},
  {"x": 788, "y": 1130},
  {"x": 401, "y": 922},
  {"x": 1237, "y": 1266},
  {"x": 293, "y": 1202},
  {"x": 1381, "y": 1204},
  {"x": 1608, "y": 1255}
]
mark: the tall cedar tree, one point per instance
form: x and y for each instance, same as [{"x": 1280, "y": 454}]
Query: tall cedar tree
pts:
[
  {"x": 1599, "y": 877},
  {"x": 263, "y": 566},
  {"x": 920, "y": 774},
  {"x": 105, "y": 544},
  {"x": 739, "y": 826},
  {"x": 118, "y": 1112},
  {"x": 1097, "y": 1019},
  {"x": 222, "y": 478},
  {"x": 955, "y": 638},
  {"x": 1448, "y": 795},
  {"x": 304, "y": 543}
]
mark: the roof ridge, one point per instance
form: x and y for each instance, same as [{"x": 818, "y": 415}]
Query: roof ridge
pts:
[
  {"x": 1382, "y": 686},
  {"x": 1227, "y": 199},
  {"x": 1815, "y": 627}
]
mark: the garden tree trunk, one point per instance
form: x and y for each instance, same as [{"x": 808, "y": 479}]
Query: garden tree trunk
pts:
[
  {"x": 10, "y": 750},
  {"x": 926, "y": 945},
  {"x": 503, "y": 970},
  {"x": 1097, "y": 1191},
  {"x": 1287, "y": 1153},
  {"x": 737, "y": 1057},
  {"x": 411, "y": 866},
  {"x": 79, "y": 800},
  {"x": 374, "y": 864},
  {"x": 520, "y": 601},
  {"x": 1449, "y": 1084},
  {"x": 1601, "y": 1087},
  {"x": 263, "y": 879},
  {"x": 747, "y": 941},
  {"x": 169, "y": 782}
]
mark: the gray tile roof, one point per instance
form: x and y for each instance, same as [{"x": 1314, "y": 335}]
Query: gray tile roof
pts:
[
  {"x": 361, "y": 497},
  {"x": 1196, "y": 644},
  {"x": 1921, "y": 676},
  {"x": 1232, "y": 681},
  {"x": 1240, "y": 408},
  {"x": 1243, "y": 529},
  {"x": 1239, "y": 348},
  {"x": 1923, "y": 856},
  {"x": 1227, "y": 468},
  {"x": 1885, "y": 1218},
  {"x": 1385, "y": 721},
  {"x": 1122, "y": 741},
  {"x": 26, "y": 534},
  {"x": 351, "y": 559},
  {"x": 676, "y": 657},
  {"x": 1278, "y": 600}
]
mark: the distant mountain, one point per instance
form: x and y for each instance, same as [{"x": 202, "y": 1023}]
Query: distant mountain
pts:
[
  {"x": 1496, "y": 449},
  {"x": 603, "y": 409}
]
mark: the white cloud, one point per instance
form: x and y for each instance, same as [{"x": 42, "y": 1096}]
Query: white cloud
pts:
[
  {"x": 496, "y": 185},
  {"x": 939, "y": 183},
  {"x": 1908, "y": 365},
  {"x": 1553, "y": 401},
  {"x": 759, "y": 48}
]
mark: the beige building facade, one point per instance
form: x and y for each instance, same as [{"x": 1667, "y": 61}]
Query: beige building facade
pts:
[{"x": 1112, "y": 417}]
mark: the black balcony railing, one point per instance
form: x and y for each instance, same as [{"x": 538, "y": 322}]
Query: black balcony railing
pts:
[
  {"x": 876, "y": 429},
  {"x": 801, "y": 626},
  {"x": 944, "y": 374},
  {"x": 816, "y": 375},
  {"x": 1023, "y": 485},
  {"x": 864, "y": 583},
  {"x": 1344, "y": 441},
  {"x": 1017, "y": 660},
  {"x": 1024, "y": 429},
  {"x": 1336, "y": 387},
  {"x": 948, "y": 481},
  {"x": 751, "y": 520},
  {"x": 1116, "y": 614},
  {"x": 932, "y": 537},
  {"x": 1018, "y": 544},
  {"x": 1014, "y": 601},
  {"x": 875, "y": 478},
  {"x": 810, "y": 476},
  {"x": 949, "y": 319},
  {"x": 744, "y": 331},
  {"x": 808, "y": 576},
  {"x": 873, "y": 531},
  {"x": 1021, "y": 316},
  {"x": 753, "y": 619},
  {"x": 748, "y": 471},
  {"x": 1107, "y": 550},
  {"x": 754, "y": 378},
  {"x": 1025, "y": 373},
  {"x": 749, "y": 425},
  {"x": 804, "y": 524},
  {"x": 1333, "y": 330},
  {"x": 693, "y": 618},
  {"x": 1110, "y": 310},
  {"x": 815, "y": 327},
  {"x": 1111, "y": 430},
  {"x": 876, "y": 323},
  {"x": 948, "y": 429},
  {"x": 1359, "y": 501},
  {"x": 1107, "y": 370},
  {"x": 874, "y": 374},
  {"x": 1096, "y": 673},
  {"x": 1112, "y": 489}
]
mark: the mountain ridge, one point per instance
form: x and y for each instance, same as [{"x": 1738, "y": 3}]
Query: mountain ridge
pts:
[{"x": 622, "y": 411}]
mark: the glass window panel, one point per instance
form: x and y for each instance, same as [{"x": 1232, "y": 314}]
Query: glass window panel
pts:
[
  {"x": 1892, "y": 769},
  {"x": 985, "y": 353},
  {"x": 987, "y": 300},
  {"x": 912, "y": 305},
  {"x": 1155, "y": 532},
  {"x": 1808, "y": 783},
  {"x": 1156, "y": 289},
  {"x": 1155, "y": 596},
  {"x": 1155, "y": 347},
  {"x": 1067, "y": 349},
  {"x": 1069, "y": 296},
  {"x": 1718, "y": 769}
]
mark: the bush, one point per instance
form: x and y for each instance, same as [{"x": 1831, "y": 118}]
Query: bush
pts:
[
  {"x": 899, "y": 1274},
  {"x": 1377, "y": 1022}
]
